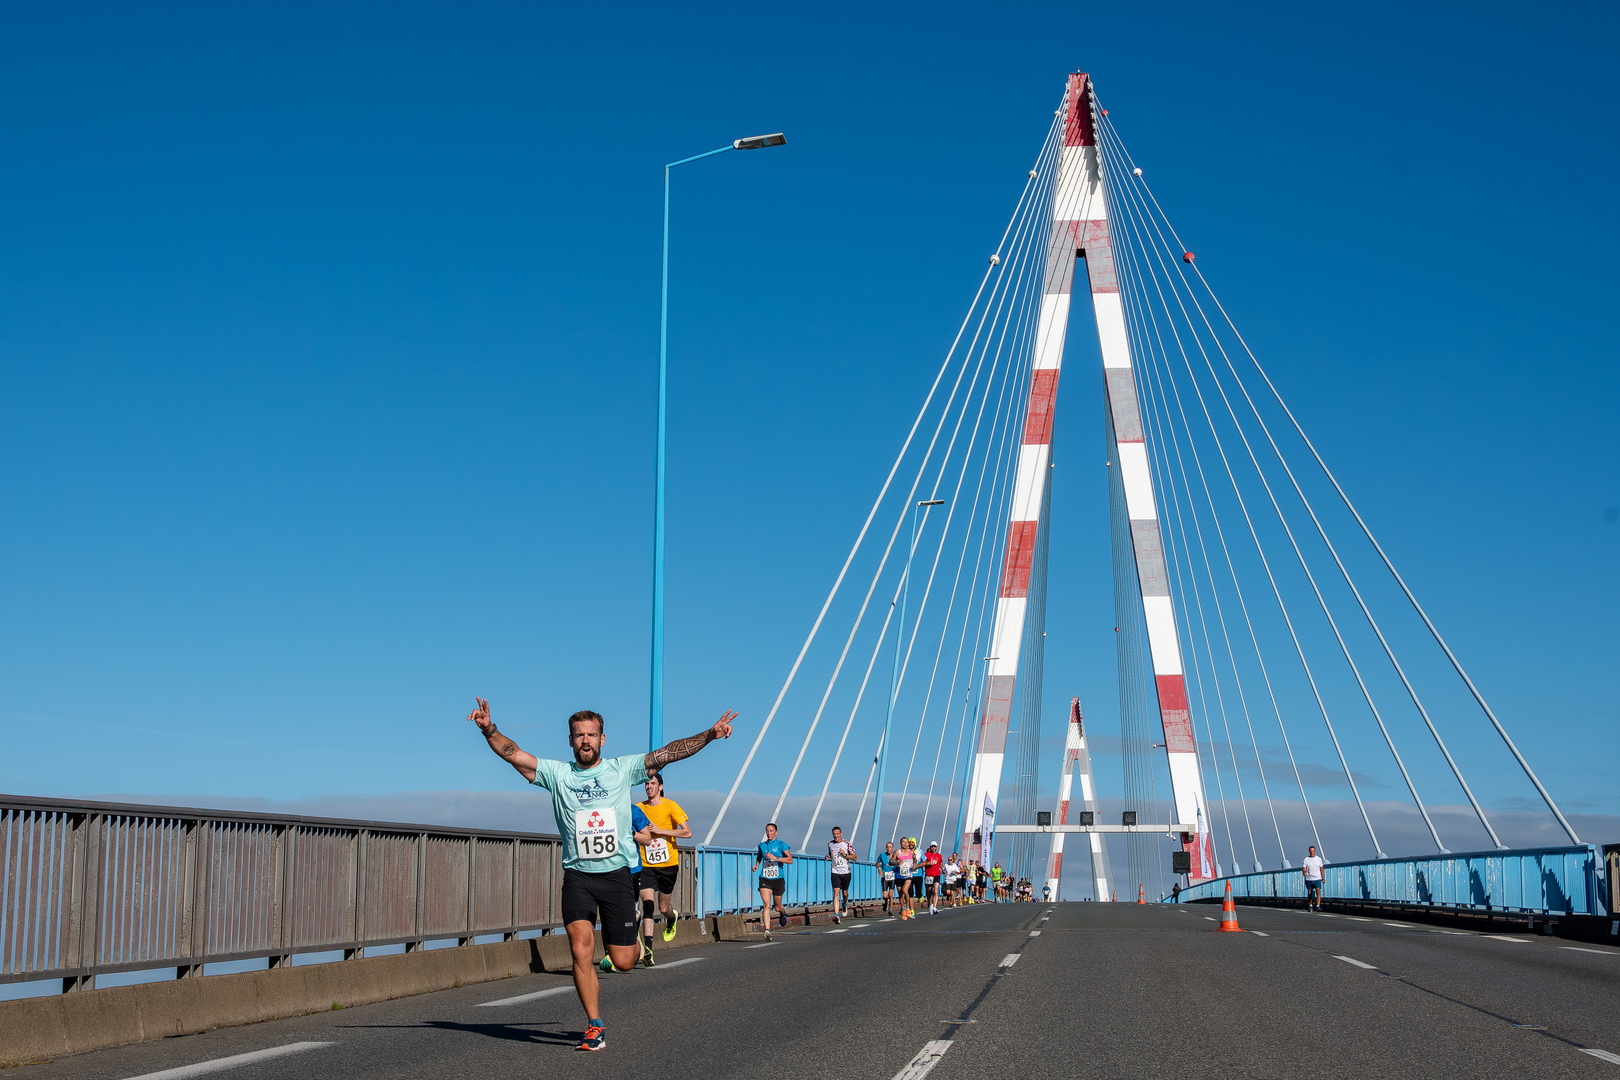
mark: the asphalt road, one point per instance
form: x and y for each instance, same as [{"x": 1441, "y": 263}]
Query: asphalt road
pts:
[{"x": 1099, "y": 990}]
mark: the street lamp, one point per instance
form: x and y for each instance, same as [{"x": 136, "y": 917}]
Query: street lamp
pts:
[
  {"x": 894, "y": 679},
  {"x": 655, "y": 722}
]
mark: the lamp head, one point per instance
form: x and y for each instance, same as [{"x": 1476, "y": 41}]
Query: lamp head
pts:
[{"x": 759, "y": 142}]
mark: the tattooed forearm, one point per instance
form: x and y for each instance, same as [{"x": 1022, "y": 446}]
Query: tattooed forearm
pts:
[
  {"x": 507, "y": 748},
  {"x": 675, "y": 751}
]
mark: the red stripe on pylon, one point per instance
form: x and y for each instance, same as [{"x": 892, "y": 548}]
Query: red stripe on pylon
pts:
[{"x": 1020, "y": 554}]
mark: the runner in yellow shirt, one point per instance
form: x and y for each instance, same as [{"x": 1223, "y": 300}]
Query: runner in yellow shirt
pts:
[{"x": 660, "y": 863}]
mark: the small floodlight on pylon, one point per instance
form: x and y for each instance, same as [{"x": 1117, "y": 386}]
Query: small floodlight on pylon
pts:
[
  {"x": 1229, "y": 912},
  {"x": 1141, "y": 894}
]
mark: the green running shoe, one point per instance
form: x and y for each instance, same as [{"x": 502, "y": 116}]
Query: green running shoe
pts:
[
  {"x": 669, "y": 924},
  {"x": 606, "y": 963}
]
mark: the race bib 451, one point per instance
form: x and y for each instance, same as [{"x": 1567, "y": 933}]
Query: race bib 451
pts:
[{"x": 596, "y": 833}]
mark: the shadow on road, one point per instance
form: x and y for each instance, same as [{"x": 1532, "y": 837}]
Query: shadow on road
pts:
[{"x": 510, "y": 1032}]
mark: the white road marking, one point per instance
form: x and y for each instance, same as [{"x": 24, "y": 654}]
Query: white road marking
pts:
[
  {"x": 1329, "y": 915},
  {"x": 1358, "y": 963},
  {"x": 889, "y": 919},
  {"x": 521, "y": 998},
  {"x": 688, "y": 960},
  {"x": 1577, "y": 948},
  {"x": 1398, "y": 925},
  {"x": 1258, "y": 933},
  {"x": 1601, "y": 1055},
  {"x": 1459, "y": 933},
  {"x": 1034, "y": 933},
  {"x": 919, "y": 1066},
  {"x": 1360, "y": 918},
  {"x": 1208, "y": 919},
  {"x": 1499, "y": 937},
  {"x": 232, "y": 1062},
  {"x": 840, "y": 930},
  {"x": 762, "y": 945},
  {"x": 1009, "y": 960}
]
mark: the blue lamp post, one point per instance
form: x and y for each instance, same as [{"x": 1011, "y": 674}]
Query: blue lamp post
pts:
[
  {"x": 655, "y": 723},
  {"x": 894, "y": 680}
]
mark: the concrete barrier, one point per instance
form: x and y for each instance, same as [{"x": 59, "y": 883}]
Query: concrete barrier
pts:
[{"x": 33, "y": 1029}]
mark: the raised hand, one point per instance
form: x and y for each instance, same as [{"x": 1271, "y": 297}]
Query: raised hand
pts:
[
  {"x": 722, "y": 726},
  {"x": 480, "y": 716}
]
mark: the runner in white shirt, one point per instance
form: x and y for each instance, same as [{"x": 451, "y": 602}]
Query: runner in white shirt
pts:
[
  {"x": 953, "y": 878},
  {"x": 840, "y": 853},
  {"x": 1312, "y": 869}
]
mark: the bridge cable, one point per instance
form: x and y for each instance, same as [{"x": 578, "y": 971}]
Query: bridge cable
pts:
[
  {"x": 1159, "y": 403},
  {"x": 859, "y": 539},
  {"x": 1390, "y": 566},
  {"x": 1310, "y": 577},
  {"x": 1022, "y": 210},
  {"x": 1271, "y": 578}
]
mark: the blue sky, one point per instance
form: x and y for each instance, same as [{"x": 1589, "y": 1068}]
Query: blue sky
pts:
[{"x": 329, "y": 335}]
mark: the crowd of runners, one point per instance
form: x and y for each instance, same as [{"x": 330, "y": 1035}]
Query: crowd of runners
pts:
[{"x": 621, "y": 863}]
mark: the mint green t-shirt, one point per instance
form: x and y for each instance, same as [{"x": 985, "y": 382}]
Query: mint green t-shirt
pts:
[{"x": 593, "y": 810}]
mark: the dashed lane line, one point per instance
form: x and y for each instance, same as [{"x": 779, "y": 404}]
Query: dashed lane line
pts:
[
  {"x": 1499, "y": 937},
  {"x": 1398, "y": 925},
  {"x": 1034, "y": 933},
  {"x": 1577, "y": 948},
  {"x": 920, "y": 1066},
  {"x": 678, "y": 963},
  {"x": 1208, "y": 919},
  {"x": 1357, "y": 963},
  {"x": 1259, "y": 933},
  {"x": 1601, "y": 1055},
  {"x": 521, "y": 998},
  {"x": 1008, "y": 961},
  {"x": 762, "y": 945},
  {"x": 220, "y": 1064}
]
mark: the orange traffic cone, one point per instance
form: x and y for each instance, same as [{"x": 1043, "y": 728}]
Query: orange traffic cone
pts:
[
  {"x": 1141, "y": 894},
  {"x": 1229, "y": 912},
  {"x": 1115, "y": 899}
]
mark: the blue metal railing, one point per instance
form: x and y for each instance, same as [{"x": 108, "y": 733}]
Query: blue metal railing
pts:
[
  {"x": 727, "y": 882},
  {"x": 1555, "y": 880}
]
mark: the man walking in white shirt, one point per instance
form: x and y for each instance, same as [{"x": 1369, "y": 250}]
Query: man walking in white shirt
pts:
[{"x": 1312, "y": 869}]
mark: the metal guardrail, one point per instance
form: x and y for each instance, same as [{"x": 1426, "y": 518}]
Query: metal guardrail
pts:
[
  {"x": 98, "y": 888},
  {"x": 727, "y": 882},
  {"x": 1551, "y": 880}
]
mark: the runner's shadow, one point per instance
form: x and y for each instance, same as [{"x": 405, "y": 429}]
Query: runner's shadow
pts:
[{"x": 509, "y": 1032}]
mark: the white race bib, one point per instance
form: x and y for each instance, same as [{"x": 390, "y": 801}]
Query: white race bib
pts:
[
  {"x": 888, "y": 875},
  {"x": 770, "y": 871},
  {"x": 596, "y": 833},
  {"x": 658, "y": 852}
]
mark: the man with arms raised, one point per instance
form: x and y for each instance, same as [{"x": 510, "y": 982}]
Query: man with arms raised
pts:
[{"x": 590, "y": 796}]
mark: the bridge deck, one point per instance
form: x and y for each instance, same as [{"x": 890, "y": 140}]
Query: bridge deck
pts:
[{"x": 1107, "y": 991}]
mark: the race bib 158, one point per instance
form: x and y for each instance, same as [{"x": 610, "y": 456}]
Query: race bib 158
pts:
[{"x": 596, "y": 833}]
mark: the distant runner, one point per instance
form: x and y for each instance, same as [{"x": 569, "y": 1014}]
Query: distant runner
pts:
[
  {"x": 995, "y": 881},
  {"x": 769, "y": 859},
  {"x": 933, "y": 866},
  {"x": 903, "y": 864},
  {"x": 887, "y": 864},
  {"x": 590, "y": 797},
  {"x": 660, "y": 863},
  {"x": 953, "y": 879},
  {"x": 1312, "y": 869},
  {"x": 840, "y": 853}
]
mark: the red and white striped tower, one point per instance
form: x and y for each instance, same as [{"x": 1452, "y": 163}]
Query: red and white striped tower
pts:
[
  {"x": 1071, "y": 207},
  {"x": 1077, "y": 759},
  {"x": 1094, "y": 244}
]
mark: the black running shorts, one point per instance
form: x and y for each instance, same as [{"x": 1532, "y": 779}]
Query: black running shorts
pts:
[
  {"x": 659, "y": 878},
  {"x": 841, "y": 881},
  {"x": 613, "y": 894},
  {"x": 775, "y": 885}
]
